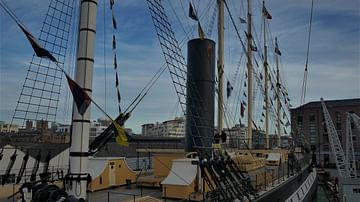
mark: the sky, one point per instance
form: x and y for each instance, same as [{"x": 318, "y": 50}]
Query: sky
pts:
[{"x": 333, "y": 68}]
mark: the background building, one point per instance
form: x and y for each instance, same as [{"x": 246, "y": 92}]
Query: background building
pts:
[
  {"x": 169, "y": 128},
  {"x": 236, "y": 136},
  {"x": 6, "y": 127},
  {"x": 308, "y": 123}
]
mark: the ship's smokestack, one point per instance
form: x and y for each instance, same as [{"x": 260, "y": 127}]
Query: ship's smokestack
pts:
[{"x": 200, "y": 96}]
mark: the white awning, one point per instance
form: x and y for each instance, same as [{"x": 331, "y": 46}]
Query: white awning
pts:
[
  {"x": 182, "y": 172},
  {"x": 273, "y": 157}
]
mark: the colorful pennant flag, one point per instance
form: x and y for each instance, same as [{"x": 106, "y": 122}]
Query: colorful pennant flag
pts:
[
  {"x": 115, "y": 62},
  {"x": 192, "y": 13},
  {"x": 114, "y": 22},
  {"x": 242, "y": 110},
  {"x": 40, "y": 51},
  {"x": 81, "y": 98},
  {"x": 242, "y": 20},
  {"x": 114, "y": 42},
  {"x": 253, "y": 47},
  {"x": 277, "y": 50},
  {"x": 229, "y": 89},
  {"x": 266, "y": 13},
  {"x": 112, "y": 2}
]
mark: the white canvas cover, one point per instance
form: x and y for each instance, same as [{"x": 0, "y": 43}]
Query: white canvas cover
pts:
[
  {"x": 182, "y": 172},
  {"x": 96, "y": 167},
  {"x": 273, "y": 157}
]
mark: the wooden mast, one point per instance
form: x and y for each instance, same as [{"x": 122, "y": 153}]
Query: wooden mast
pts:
[
  {"x": 250, "y": 75},
  {"x": 220, "y": 65},
  {"x": 78, "y": 174},
  {"x": 278, "y": 86},
  {"x": 266, "y": 67}
]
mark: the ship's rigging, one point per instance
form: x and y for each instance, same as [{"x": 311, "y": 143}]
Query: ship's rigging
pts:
[{"x": 176, "y": 63}]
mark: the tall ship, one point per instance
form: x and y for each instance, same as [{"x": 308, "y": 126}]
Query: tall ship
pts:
[{"x": 248, "y": 155}]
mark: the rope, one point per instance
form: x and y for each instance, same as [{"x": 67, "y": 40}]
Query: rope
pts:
[
  {"x": 304, "y": 84},
  {"x": 146, "y": 89},
  {"x": 104, "y": 51},
  {"x": 112, "y": 3}
]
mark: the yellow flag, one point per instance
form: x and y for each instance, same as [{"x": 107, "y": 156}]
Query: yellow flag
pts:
[
  {"x": 216, "y": 146},
  {"x": 121, "y": 138},
  {"x": 201, "y": 32}
]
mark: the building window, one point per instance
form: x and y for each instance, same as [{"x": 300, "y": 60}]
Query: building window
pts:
[
  {"x": 326, "y": 147},
  {"x": 300, "y": 122},
  {"x": 356, "y": 190},
  {"x": 312, "y": 130},
  {"x": 100, "y": 180}
]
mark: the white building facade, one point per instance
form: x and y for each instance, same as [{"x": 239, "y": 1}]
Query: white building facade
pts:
[{"x": 169, "y": 128}]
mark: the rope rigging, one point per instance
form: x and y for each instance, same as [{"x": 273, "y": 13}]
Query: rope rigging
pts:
[
  {"x": 117, "y": 82},
  {"x": 40, "y": 92},
  {"x": 304, "y": 84},
  {"x": 104, "y": 56},
  {"x": 304, "y": 81},
  {"x": 258, "y": 75}
]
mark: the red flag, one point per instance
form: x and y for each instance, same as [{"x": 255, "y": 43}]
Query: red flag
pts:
[
  {"x": 81, "y": 98},
  {"x": 40, "y": 51}
]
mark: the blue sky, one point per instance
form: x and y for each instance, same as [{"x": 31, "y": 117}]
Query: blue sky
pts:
[{"x": 334, "y": 67}]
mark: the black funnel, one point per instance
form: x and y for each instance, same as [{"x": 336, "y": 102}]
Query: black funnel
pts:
[{"x": 200, "y": 96}]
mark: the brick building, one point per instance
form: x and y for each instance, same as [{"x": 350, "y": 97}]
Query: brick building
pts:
[{"x": 308, "y": 120}]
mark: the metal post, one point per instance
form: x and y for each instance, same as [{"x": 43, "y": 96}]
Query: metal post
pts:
[
  {"x": 288, "y": 165},
  {"x": 256, "y": 182},
  {"x": 137, "y": 160},
  {"x": 265, "y": 181},
  {"x": 134, "y": 198},
  {"x": 108, "y": 196},
  {"x": 13, "y": 196},
  {"x": 283, "y": 175}
]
